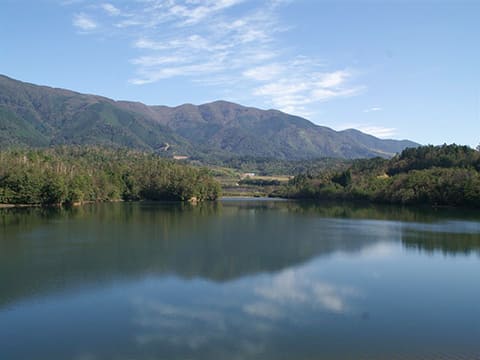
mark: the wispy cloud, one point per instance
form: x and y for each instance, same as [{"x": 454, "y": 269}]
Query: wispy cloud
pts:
[
  {"x": 375, "y": 130},
  {"x": 110, "y": 9},
  {"x": 288, "y": 298},
  {"x": 193, "y": 12},
  {"x": 84, "y": 22},
  {"x": 264, "y": 72},
  {"x": 292, "y": 288},
  {"x": 206, "y": 37},
  {"x": 299, "y": 86},
  {"x": 378, "y": 131},
  {"x": 373, "y": 109},
  {"x": 220, "y": 43}
]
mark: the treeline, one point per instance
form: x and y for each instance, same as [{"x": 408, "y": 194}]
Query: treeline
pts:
[
  {"x": 265, "y": 166},
  {"x": 259, "y": 182},
  {"x": 435, "y": 175},
  {"x": 426, "y": 157},
  {"x": 69, "y": 175}
]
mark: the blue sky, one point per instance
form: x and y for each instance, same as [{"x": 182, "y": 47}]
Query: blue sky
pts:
[{"x": 395, "y": 69}]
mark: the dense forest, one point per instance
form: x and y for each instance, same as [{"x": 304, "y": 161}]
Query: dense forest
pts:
[
  {"x": 435, "y": 175},
  {"x": 68, "y": 175}
]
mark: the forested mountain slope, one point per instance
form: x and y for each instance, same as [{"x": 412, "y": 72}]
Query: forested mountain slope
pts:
[{"x": 40, "y": 116}]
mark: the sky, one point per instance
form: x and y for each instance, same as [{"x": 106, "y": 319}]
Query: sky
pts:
[{"x": 394, "y": 69}]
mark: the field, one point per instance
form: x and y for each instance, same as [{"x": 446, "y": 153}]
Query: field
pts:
[{"x": 237, "y": 183}]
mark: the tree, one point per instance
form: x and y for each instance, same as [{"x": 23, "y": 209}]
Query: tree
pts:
[
  {"x": 343, "y": 179},
  {"x": 53, "y": 191}
]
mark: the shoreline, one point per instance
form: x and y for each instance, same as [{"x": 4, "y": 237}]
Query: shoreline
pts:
[
  {"x": 223, "y": 198},
  {"x": 9, "y": 206},
  {"x": 252, "y": 198},
  {"x": 244, "y": 198},
  {"x": 75, "y": 204}
]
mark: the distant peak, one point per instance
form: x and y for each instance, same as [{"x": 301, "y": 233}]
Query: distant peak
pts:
[{"x": 222, "y": 103}]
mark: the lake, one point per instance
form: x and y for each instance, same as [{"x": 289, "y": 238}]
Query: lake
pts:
[{"x": 239, "y": 279}]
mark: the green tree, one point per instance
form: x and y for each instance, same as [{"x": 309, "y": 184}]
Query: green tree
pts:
[{"x": 53, "y": 191}]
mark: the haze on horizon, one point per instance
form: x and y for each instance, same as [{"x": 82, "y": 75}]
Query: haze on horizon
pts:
[{"x": 393, "y": 69}]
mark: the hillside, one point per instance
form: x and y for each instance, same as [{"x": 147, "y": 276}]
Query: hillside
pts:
[{"x": 41, "y": 116}]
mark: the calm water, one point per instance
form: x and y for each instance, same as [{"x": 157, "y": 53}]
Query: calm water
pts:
[{"x": 239, "y": 280}]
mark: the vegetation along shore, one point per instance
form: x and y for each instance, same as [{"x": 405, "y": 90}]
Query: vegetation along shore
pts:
[
  {"x": 447, "y": 175},
  {"x": 69, "y": 175}
]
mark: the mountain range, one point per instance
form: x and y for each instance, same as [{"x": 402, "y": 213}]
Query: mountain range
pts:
[{"x": 40, "y": 116}]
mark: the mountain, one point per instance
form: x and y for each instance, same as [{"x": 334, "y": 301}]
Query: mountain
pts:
[
  {"x": 32, "y": 115},
  {"x": 41, "y": 116}
]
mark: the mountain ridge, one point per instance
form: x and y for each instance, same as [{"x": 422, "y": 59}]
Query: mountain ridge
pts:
[{"x": 39, "y": 116}]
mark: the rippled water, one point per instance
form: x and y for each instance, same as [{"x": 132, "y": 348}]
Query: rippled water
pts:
[{"x": 239, "y": 280}]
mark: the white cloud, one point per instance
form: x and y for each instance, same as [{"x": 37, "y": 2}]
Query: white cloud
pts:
[
  {"x": 127, "y": 23},
  {"x": 149, "y": 76},
  {"x": 194, "y": 11},
  {"x": 84, "y": 22},
  {"x": 378, "y": 131},
  {"x": 157, "y": 60},
  {"x": 216, "y": 46},
  {"x": 209, "y": 43},
  {"x": 110, "y": 9},
  {"x": 373, "y": 109},
  {"x": 71, "y": 2},
  {"x": 299, "y": 87},
  {"x": 382, "y": 132},
  {"x": 333, "y": 79},
  {"x": 148, "y": 44}
]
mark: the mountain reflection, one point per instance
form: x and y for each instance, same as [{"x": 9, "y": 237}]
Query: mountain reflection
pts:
[
  {"x": 58, "y": 249},
  {"x": 449, "y": 243}
]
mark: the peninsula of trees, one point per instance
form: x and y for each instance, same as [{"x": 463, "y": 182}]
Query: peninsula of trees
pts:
[
  {"x": 435, "y": 175},
  {"x": 69, "y": 175}
]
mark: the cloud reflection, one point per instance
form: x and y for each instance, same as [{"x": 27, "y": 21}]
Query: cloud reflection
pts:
[
  {"x": 168, "y": 322},
  {"x": 293, "y": 288},
  {"x": 246, "y": 319}
]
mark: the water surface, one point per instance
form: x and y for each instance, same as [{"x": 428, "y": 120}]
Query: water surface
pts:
[{"x": 239, "y": 280}]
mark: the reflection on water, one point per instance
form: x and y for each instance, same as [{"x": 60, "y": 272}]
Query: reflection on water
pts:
[
  {"x": 239, "y": 279},
  {"x": 214, "y": 241}
]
